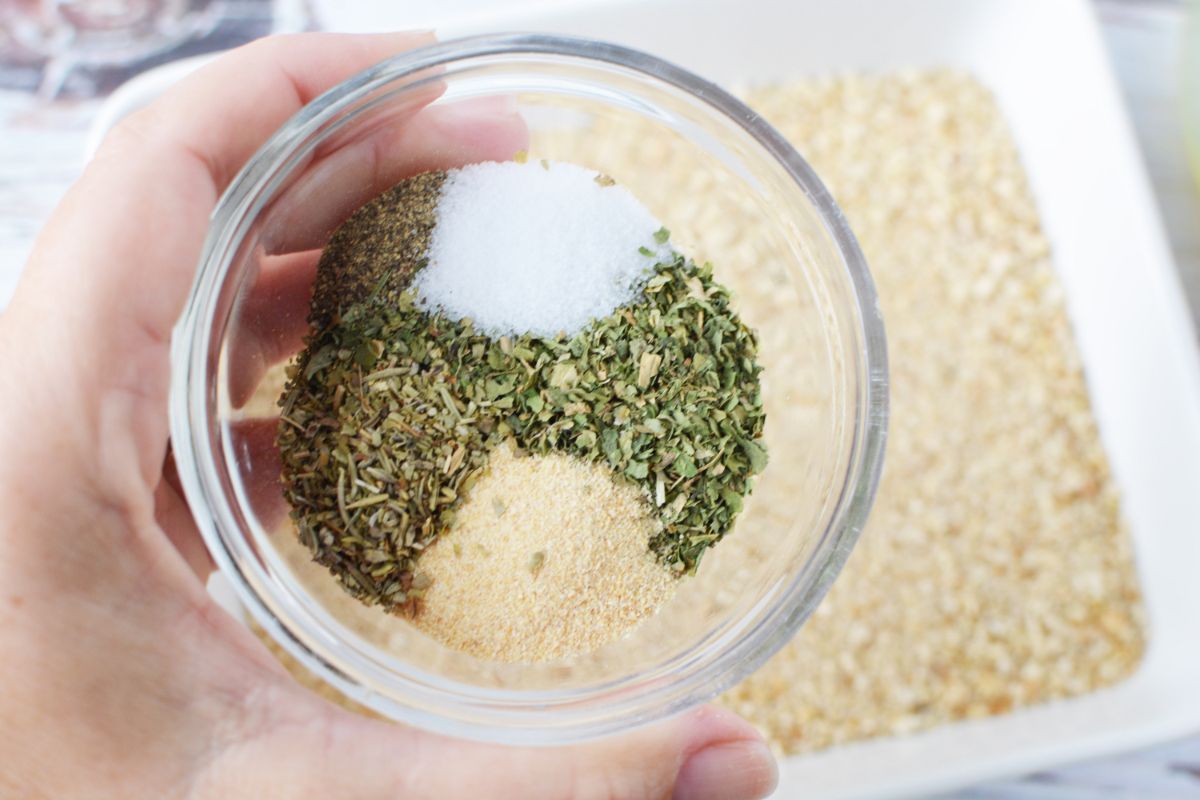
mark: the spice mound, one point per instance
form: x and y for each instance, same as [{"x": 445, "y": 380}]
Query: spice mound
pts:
[
  {"x": 457, "y": 345},
  {"x": 538, "y": 535}
]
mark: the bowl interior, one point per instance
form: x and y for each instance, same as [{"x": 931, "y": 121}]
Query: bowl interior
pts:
[{"x": 729, "y": 196}]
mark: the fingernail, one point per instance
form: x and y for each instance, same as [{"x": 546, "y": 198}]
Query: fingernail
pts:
[
  {"x": 500, "y": 104},
  {"x": 739, "y": 770},
  {"x": 474, "y": 108},
  {"x": 478, "y": 109},
  {"x": 418, "y": 33}
]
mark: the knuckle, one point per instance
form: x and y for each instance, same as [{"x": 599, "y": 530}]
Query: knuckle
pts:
[{"x": 134, "y": 133}]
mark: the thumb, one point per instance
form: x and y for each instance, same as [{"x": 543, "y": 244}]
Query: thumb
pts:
[{"x": 705, "y": 754}]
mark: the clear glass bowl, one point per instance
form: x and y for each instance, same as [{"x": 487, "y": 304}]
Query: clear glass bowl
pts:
[{"x": 732, "y": 191}]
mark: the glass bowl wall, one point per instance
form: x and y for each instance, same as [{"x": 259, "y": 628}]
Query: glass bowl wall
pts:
[{"x": 733, "y": 192}]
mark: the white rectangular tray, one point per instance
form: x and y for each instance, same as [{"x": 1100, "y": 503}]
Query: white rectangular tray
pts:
[{"x": 1045, "y": 62}]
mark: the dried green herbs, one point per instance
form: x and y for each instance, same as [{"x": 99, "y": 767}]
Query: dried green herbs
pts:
[
  {"x": 390, "y": 411},
  {"x": 665, "y": 391}
]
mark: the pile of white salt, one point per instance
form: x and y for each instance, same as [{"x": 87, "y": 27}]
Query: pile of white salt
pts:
[{"x": 536, "y": 247}]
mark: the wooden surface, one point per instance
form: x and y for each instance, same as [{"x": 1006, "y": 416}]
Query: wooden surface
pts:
[{"x": 40, "y": 154}]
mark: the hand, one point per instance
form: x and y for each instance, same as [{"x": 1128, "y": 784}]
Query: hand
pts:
[{"x": 119, "y": 677}]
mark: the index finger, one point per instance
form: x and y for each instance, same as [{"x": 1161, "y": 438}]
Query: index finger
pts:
[
  {"x": 113, "y": 266},
  {"x": 146, "y": 197}
]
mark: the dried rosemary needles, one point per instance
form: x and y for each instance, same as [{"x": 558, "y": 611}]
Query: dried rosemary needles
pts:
[{"x": 393, "y": 407}]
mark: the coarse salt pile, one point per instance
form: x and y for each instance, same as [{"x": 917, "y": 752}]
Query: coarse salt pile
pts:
[{"x": 564, "y": 246}]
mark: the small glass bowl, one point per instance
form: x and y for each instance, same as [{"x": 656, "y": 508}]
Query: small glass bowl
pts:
[{"x": 733, "y": 192}]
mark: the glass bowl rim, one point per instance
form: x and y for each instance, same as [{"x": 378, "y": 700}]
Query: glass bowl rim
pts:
[{"x": 199, "y": 470}]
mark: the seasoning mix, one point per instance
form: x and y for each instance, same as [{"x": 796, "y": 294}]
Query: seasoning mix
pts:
[{"x": 539, "y": 307}]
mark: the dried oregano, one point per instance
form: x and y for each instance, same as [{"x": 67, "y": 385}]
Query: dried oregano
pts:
[{"x": 390, "y": 411}]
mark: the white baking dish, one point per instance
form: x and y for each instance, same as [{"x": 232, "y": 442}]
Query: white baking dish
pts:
[{"x": 1045, "y": 62}]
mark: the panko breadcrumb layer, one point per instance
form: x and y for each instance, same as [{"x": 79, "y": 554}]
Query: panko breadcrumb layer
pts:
[{"x": 995, "y": 571}]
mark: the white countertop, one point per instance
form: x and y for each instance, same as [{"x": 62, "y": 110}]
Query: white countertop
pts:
[{"x": 40, "y": 155}]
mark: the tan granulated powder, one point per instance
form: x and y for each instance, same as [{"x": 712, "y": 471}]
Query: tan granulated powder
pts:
[{"x": 547, "y": 558}]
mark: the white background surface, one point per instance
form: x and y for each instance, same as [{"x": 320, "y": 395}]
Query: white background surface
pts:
[{"x": 39, "y": 156}]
